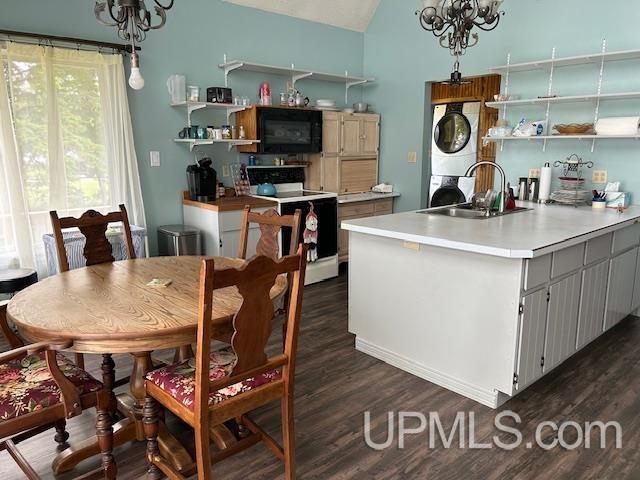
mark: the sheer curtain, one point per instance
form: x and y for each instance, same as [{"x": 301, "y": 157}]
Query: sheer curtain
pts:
[{"x": 66, "y": 144}]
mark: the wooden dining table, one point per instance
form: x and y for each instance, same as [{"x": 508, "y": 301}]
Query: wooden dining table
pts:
[{"x": 109, "y": 308}]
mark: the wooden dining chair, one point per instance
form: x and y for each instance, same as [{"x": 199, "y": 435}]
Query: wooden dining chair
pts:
[
  {"x": 97, "y": 249},
  {"x": 39, "y": 388},
  {"x": 228, "y": 384},
  {"x": 270, "y": 223}
]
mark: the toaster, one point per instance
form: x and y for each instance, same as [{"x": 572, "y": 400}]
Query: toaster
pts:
[{"x": 219, "y": 95}]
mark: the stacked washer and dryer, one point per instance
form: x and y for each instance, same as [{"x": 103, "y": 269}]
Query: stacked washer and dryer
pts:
[{"x": 454, "y": 149}]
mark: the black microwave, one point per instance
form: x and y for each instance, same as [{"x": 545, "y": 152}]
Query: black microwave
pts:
[{"x": 283, "y": 130}]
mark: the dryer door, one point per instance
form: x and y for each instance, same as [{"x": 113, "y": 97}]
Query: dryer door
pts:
[
  {"x": 447, "y": 195},
  {"x": 452, "y": 133}
]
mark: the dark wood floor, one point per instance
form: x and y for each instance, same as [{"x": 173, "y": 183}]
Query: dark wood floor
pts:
[{"x": 336, "y": 384}]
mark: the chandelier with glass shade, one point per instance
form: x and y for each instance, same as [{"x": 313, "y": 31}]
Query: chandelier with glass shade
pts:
[
  {"x": 453, "y": 22},
  {"x": 133, "y": 20}
]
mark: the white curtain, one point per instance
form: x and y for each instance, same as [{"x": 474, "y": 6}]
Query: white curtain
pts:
[{"x": 66, "y": 144}]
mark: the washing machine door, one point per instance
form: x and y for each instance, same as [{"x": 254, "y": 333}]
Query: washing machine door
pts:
[
  {"x": 452, "y": 132},
  {"x": 447, "y": 195}
]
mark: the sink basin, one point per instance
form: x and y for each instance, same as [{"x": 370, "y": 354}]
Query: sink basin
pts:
[{"x": 466, "y": 211}]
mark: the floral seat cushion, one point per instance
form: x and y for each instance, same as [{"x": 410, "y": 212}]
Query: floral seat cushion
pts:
[
  {"x": 26, "y": 385},
  {"x": 178, "y": 380}
]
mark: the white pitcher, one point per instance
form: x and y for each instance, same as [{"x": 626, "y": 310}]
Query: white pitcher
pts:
[{"x": 177, "y": 86}]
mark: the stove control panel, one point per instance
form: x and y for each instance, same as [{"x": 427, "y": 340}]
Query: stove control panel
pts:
[{"x": 275, "y": 175}]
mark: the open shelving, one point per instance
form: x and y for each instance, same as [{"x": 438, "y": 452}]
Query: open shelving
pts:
[
  {"x": 594, "y": 58},
  {"x": 193, "y": 143},
  {"x": 549, "y": 99},
  {"x": 296, "y": 74}
]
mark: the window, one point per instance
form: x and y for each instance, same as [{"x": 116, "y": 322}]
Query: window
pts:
[{"x": 65, "y": 142}]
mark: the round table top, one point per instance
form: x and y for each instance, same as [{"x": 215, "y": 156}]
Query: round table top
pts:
[{"x": 109, "y": 308}]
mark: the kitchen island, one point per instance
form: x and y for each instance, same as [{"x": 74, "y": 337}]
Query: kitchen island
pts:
[{"x": 487, "y": 307}]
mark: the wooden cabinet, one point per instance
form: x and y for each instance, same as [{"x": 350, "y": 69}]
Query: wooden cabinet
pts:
[
  {"x": 620, "y": 290},
  {"x": 593, "y": 297},
  {"x": 352, "y": 211},
  {"x": 533, "y": 319},
  {"x": 360, "y": 135},
  {"x": 331, "y": 133},
  {"x": 562, "y": 321}
]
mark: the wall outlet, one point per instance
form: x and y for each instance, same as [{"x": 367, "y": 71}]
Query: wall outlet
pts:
[
  {"x": 289, "y": 86},
  {"x": 155, "y": 158},
  {"x": 412, "y": 157},
  {"x": 534, "y": 173},
  {"x": 599, "y": 176},
  {"x": 226, "y": 171}
]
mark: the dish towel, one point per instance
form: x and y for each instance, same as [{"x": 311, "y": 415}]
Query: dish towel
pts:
[{"x": 618, "y": 126}]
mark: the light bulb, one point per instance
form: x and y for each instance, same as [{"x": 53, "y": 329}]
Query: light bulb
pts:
[{"x": 135, "y": 79}]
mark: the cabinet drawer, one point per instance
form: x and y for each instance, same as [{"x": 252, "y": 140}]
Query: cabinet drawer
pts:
[
  {"x": 355, "y": 209},
  {"x": 232, "y": 221},
  {"x": 384, "y": 207},
  {"x": 537, "y": 271},
  {"x": 626, "y": 238},
  {"x": 567, "y": 260},
  {"x": 598, "y": 249}
]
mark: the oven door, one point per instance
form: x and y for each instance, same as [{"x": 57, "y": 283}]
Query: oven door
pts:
[
  {"x": 326, "y": 211},
  {"x": 283, "y": 130}
]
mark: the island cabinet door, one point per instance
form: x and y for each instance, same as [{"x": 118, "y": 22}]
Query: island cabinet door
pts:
[
  {"x": 533, "y": 319},
  {"x": 562, "y": 321},
  {"x": 636, "y": 288},
  {"x": 622, "y": 274},
  {"x": 592, "y": 303}
]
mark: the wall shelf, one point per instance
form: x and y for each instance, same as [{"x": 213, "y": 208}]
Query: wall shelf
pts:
[
  {"x": 563, "y": 137},
  {"x": 595, "y": 58},
  {"x": 598, "y": 59},
  {"x": 566, "y": 99},
  {"x": 192, "y": 142},
  {"x": 294, "y": 73}
]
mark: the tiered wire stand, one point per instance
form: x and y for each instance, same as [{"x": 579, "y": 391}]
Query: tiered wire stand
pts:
[{"x": 572, "y": 182}]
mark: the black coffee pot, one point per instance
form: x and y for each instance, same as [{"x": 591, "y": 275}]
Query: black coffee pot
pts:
[{"x": 202, "y": 180}]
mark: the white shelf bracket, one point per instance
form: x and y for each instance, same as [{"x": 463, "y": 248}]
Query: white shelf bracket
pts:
[
  {"x": 348, "y": 85},
  {"x": 228, "y": 68},
  {"x": 506, "y": 90},
  {"x": 295, "y": 78},
  {"x": 549, "y": 92},
  {"x": 600, "y": 80}
]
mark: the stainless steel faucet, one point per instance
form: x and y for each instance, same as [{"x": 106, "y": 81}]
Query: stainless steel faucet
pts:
[{"x": 503, "y": 179}]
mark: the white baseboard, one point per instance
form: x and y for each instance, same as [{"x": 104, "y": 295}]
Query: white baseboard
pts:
[{"x": 490, "y": 398}]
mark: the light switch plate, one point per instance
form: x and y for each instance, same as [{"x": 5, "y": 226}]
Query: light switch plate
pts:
[
  {"x": 225, "y": 171},
  {"x": 600, "y": 176},
  {"x": 412, "y": 157},
  {"x": 534, "y": 173},
  {"x": 155, "y": 158}
]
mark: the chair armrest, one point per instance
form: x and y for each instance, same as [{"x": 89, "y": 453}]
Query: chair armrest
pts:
[
  {"x": 70, "y": 396},
  {"x": 35, "y": 348},
  {"x": 12, "y": 338}
]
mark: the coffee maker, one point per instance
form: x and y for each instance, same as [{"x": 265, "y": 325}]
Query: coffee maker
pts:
[{"x": 202, "y": 180}]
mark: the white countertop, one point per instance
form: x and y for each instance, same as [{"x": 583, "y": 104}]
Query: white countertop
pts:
[
  {"x": 365, "y": 197},
  {"x": 543, "y": 229}
]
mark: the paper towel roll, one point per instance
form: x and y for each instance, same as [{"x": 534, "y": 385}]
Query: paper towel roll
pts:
[
  {"x": 618, "y": 126},
  {"x": 545, "y": 182}
]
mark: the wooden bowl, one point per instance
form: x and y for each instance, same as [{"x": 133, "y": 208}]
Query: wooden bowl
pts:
[{"x": 573, "y": 128}]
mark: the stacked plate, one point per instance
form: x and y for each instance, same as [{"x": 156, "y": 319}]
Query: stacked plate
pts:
[
  {"x": 323, "y": 104},
  {"x": 570, "y": 197}
]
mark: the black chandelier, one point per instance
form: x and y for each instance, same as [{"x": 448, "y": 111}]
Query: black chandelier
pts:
[
  {"x": 133, "y": 21},
  {"x": 453, "y": 20}
]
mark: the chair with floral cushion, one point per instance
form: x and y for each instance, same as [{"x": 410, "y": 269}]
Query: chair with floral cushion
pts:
[
  {"x": 216, "y": 387},
  {"x": 39, "y": 387}
]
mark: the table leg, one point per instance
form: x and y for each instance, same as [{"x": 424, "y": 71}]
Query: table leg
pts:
[{"x": 129, "y": 428}]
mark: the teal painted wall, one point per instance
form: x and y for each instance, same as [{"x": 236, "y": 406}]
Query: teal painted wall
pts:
[
  {"x": 197, "y": 35},
  {"x": 403, "y": 57}
]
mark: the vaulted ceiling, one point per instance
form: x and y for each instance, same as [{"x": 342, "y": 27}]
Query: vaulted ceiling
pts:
[{"x": 349, "y": 14}]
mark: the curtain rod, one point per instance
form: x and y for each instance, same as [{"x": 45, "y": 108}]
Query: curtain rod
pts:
[{"x": 68, "y": 40}]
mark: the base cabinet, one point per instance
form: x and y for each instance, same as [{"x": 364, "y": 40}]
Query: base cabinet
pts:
[
  {"x": 622, "y": 275},
  {"x": 636, "y": 288},
  {"x": 593, "y": 299},
  {"x": 562, "y": 321},
  {"x": 533, "y": 320}
]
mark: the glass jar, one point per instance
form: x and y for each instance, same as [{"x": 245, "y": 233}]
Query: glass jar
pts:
[{"x": 226, "y": 132}]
